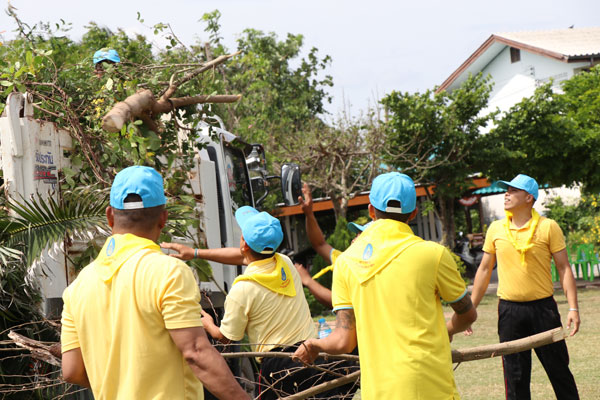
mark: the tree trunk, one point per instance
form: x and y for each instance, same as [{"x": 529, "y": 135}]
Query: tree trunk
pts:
[
  {"x": 447, "y": 219},
  {"x": 145, "y": 106},
  {"x": 340, "y": 207}
]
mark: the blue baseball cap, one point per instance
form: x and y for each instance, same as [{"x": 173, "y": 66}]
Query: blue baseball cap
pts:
[
  {"x": 522, "y": 182},
  {"x": 261, "y": 231},
  {"x": 357, "y": 228},
  {"x": 106, "y": 55},
  {"x": 393, "y": 186},
  {"x": 143, "y": 181}
]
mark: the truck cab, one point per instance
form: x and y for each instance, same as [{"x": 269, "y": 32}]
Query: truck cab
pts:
[{"x": 228, "y": 173}]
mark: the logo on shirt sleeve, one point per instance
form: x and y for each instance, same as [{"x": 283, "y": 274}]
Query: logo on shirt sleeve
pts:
[
  {"x": 368, "y": 252},
  {"x": 110, "y": 249},
  {"x": 283, "y": 275}
]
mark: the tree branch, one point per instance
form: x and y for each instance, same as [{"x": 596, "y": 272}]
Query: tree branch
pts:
[
  {"x": 323, "y": 387},
  {"x": 191, "y": 75}
]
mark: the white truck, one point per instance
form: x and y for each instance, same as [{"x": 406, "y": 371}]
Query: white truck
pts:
[{"x": 226, "y": 170}]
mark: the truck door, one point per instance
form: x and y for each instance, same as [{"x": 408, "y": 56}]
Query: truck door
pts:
[{"x": 31, "y": 157}]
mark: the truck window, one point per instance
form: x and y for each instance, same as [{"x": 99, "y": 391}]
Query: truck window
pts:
[{"x": 237, "y": 177}]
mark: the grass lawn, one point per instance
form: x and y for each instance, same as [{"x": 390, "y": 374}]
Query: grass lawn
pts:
[{"x": 483, "y": 379}]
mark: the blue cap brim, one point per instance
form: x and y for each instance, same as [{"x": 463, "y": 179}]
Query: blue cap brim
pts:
[
  {"x": 505, "y": 185},
  {"x": 355, "y": 228}
]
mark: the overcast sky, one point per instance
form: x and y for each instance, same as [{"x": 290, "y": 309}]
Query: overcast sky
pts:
[{"x": 377, "y": 46}]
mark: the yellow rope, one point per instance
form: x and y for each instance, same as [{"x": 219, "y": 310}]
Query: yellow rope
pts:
[{"x": 323, "y": 272}]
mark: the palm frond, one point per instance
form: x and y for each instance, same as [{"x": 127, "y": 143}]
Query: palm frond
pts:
[
  {"x": 8, "y": 254},
  {"x": 40, "y": 223},
  {"x": 181, "y": 217}
]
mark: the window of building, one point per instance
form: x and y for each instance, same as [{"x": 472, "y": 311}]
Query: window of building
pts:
[{"x": 515, "y": 55}]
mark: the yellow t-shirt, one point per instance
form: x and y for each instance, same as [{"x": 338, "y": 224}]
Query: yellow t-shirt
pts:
[
  {"x": 120, "y": 323},
  {"x": 532, "y": 281},
  {"x": 404, "y": 347},
  {"x": 270, "y": 319}
]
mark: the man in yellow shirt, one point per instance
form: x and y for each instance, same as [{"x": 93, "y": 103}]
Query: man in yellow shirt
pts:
[
  {"x": 523, "y": 244},
  {"x": 386, "y": 294},
  {"x": 131, "y": 326},
  {"x": 267, "y": 303}
]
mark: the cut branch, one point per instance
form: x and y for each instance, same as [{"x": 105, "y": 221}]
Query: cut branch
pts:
[
  {"x": 48, "y": 353},
  {"x": 323, "y": 387},
  {"x": 144, "y": 103},
  {"x": 213, "y": 63},
  {"x": 166, "y": 106},
  {"x": 514, "y": 346},
  {"x": 282, "y": 354},
  {"x": 38, "y": 350}
]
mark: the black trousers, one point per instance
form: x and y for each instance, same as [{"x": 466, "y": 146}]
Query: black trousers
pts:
[
  {"x": 517, "y": 320},
  {"x": 280, "y": 377}
]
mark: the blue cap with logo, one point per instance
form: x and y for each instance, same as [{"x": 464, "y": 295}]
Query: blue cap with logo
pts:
[
  {"x": 143, "y": 181},
  {"x": 106, "y": 55},
  {"x": 261, "y": 231},
  {"x": 522, "y": 182},
  {"x": 393, "y": 186},
  {"x": 357, "y": 228}
]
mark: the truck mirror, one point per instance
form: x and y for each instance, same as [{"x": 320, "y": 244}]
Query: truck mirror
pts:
[
  {"x": 291, "y": 183},
  {"x": 256, "y": 159}
]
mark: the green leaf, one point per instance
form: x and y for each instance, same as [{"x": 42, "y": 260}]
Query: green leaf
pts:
[
  {"x": 37, "y": 61},
  {"x": 109, "y": 84},
  {"x": 41, "y": 222},
  {"x": 68, "y": 172},
  {"x": 20, "y": 71},
  {"x": 153, "y": 141},
  {"x": 6, "y": 83},
  {"x": 76, "y": 160}
]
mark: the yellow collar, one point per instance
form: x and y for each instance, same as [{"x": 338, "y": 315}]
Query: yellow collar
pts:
[
  {"x": 530, "y": 226},
  {"x": 377, "y": 246},
  {"x": 118, "y": 249},
  {"x": 273, "y": 273}
]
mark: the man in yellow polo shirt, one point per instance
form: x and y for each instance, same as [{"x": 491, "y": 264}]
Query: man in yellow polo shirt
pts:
[
  {"x": 267, "y": 303},
  {"x": 386, "y": 294},
  {"x": 523, "y": 244},
  {"x": 131, "y": 326}
]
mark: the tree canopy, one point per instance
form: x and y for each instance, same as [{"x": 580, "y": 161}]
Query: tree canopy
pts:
[
  {"x": 435, "y": 137},
  {"x": 553, "y": 135}
]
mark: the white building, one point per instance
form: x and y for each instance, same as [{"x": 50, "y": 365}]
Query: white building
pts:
[{"x": 517, "y": 64}]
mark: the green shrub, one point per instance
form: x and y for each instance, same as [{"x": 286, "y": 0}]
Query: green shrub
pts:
[{"x": 580, "y": 222}]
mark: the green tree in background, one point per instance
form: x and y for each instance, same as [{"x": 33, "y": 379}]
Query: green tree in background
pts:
[
  {"x": 435, "y": 137},
  {"x": 553, "y": 136},
  {"x": 285, "y": 93}
]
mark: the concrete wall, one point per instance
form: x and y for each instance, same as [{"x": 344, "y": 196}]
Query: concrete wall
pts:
[{"x": 514, "y": 81}]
